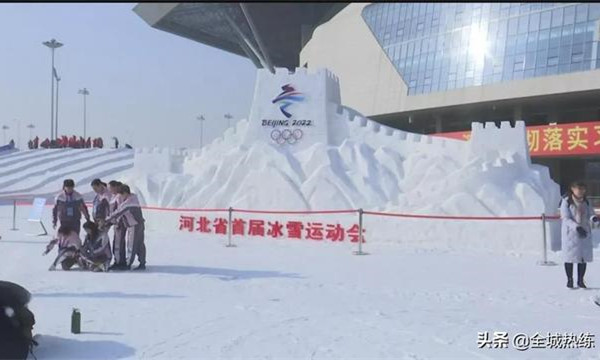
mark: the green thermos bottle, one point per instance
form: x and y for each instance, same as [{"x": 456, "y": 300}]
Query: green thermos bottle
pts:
[{"x": 76, "y": 321}]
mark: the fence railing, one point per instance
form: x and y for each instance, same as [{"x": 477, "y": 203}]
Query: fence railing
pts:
[{"x": 543, "y": 218}]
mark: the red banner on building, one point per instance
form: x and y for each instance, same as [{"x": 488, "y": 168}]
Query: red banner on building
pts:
[{"x": 555, "y": 140}]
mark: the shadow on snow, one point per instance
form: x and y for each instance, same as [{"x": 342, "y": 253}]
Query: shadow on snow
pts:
[
  {"x": 222, "y": 274},
  {"x": 52, "y": 347},
  {"x": 113, "y": 294}
]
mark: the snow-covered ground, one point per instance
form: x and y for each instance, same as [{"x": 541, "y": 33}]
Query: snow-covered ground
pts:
[{"x": 282, "y": 298}]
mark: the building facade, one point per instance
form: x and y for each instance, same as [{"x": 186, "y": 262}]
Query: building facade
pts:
[
  {"x": 438, "y": 67},
  {"x": 433, "y": 67}
]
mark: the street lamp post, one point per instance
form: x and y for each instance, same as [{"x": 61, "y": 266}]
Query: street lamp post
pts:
[
  {"x": 18, "y": 132},
  {"x": 53, "y": 45},
  {"x": 201, "y": 119},
  {"x": 228, "y": 117},
  {"x": 56, "y": 117},
  {"x": 4, "y": 128},
  {"x": 85, "y": 93},
  {"x": 31, "y": 127}
]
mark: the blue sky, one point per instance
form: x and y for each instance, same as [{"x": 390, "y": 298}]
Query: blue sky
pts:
[{"x": 145, "y": 85}]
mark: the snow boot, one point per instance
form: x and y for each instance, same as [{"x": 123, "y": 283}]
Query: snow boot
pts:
[
  {"x": 580, "y": 274},
  {"x": 569, "y": 271},
  {"x": 141, "y": 267}
]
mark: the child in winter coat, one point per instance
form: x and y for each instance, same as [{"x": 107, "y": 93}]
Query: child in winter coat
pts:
[
  {"x": 96, "y": 254},
  {"x": 69, "y": 245},
  {"x": 577, "y": 215}
]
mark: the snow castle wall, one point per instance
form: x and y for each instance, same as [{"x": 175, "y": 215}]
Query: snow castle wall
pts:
[
  {"x": 301, "y": 149},
  {"x": 158, "y": 160}
]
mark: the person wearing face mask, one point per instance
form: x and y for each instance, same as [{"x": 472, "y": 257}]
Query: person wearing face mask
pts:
[
  {"x": 577, "y": 215},
  {"x": 68, "y": 207}
]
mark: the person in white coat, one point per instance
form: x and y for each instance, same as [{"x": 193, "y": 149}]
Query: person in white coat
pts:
[{"x": 577, "y": 215}]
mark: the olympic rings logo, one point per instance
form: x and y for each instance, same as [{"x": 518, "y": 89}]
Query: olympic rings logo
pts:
[{"x": 286, "y": 136}]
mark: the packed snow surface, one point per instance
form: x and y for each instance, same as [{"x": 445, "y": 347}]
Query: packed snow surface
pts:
[{"x": 273, "y": 299}]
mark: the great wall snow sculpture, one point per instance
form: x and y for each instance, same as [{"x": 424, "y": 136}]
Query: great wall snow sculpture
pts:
[{"x": 302, "y": 150}]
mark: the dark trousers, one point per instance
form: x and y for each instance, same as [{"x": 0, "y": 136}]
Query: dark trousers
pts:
[
  {"x": 581, "y": 267},
  {"x": 73, "y": 224},
  {"x": 135, "y": 244},
  {"x": 119, "y": 246}
]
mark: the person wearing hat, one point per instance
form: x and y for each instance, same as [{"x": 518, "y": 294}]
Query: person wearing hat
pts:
[{"x": 68, "y": 207}]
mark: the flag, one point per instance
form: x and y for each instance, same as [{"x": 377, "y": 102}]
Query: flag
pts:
[{"x": 54, "y": 73}]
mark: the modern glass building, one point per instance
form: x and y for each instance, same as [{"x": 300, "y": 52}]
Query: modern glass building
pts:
[
  {"x": 445, "y": 46},
  {"x": 432, "y": 67}
]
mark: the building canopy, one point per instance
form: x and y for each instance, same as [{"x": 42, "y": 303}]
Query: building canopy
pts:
[{"x": 269, "y": 34}]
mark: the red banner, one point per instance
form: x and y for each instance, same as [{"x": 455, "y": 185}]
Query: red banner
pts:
[{"x": 555, "y": 140}]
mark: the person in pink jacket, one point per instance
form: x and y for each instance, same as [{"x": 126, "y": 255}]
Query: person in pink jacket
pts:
[{"x": 69, "y": 245}]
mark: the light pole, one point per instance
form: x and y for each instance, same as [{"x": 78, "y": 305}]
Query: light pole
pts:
[
  {"x": 85, "y": 93},
  {"x": 31, "y": 127},
  {"x": 18, "y": 132},
  {"x": 201, "y": 119},
  {"x": 228, "y": 117},
  {"x": 53, "y": 45},
  {"x": 56, "y": 117},
  {"x": 4, "y": 128}
]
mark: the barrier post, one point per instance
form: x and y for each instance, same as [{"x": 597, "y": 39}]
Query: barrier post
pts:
[
  {"x": 14, "y": 225},
  {"x": 545, "y": 262},
  {"x": 360, "y": 233},
  {"x": 229, "y": 244}
]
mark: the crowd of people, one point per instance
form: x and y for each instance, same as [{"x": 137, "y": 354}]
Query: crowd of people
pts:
[
  {"x": 66, "y": 142},
  {"x": 114, "y": 206}
]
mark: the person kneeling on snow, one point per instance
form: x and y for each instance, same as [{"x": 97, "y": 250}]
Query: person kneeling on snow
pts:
[
  {"x": 95, "y": 253},
  {"x": 577, "y": 214},
  {"x": 130, "y": 212},
  {"x": 69, "y": 245}
]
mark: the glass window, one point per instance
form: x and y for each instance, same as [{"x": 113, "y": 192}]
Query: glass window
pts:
[
  {"x": 567, "y": 35},
  {"x": 577, "y": 57},
  {"x": 582, "y": 13},
  {"x": 514, "y": 9},
  {"x": 534, "y": 22},
  {"x": 540, "y": 71},
  {"x": 586, "y": 65},
  {"x": 518, "y": 75},
  {"x": 564, "y": 68},
  {"x": 532, "y": 41},
  {"x": 578, "y": 33},
  {"x": 518, "y": 66},
  {"x": 554, "y": 37},
  {"x": 523, "y": 24},
  {"x": 545, "y": 19},
  {"x": 502, "y": 28},
  {"x": 591, "y": 28},
  {"x": 594, "y": 12},
  {"x": 524, "y": 8},
  {"x": 576, "y": 66},
  {"x": 587, "y": 50},
  {"x": 512, "y": 26},
  {"x": 552, "y": 61},
  {"x": 530, "y": 60},
  {"x": 569, "y": 16},
  {"x": 557, "y": 17},
  {"x": 564, "y": 55},
  {"x": 552, "y": 70},
  {"x": 541, "y": 58}
]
